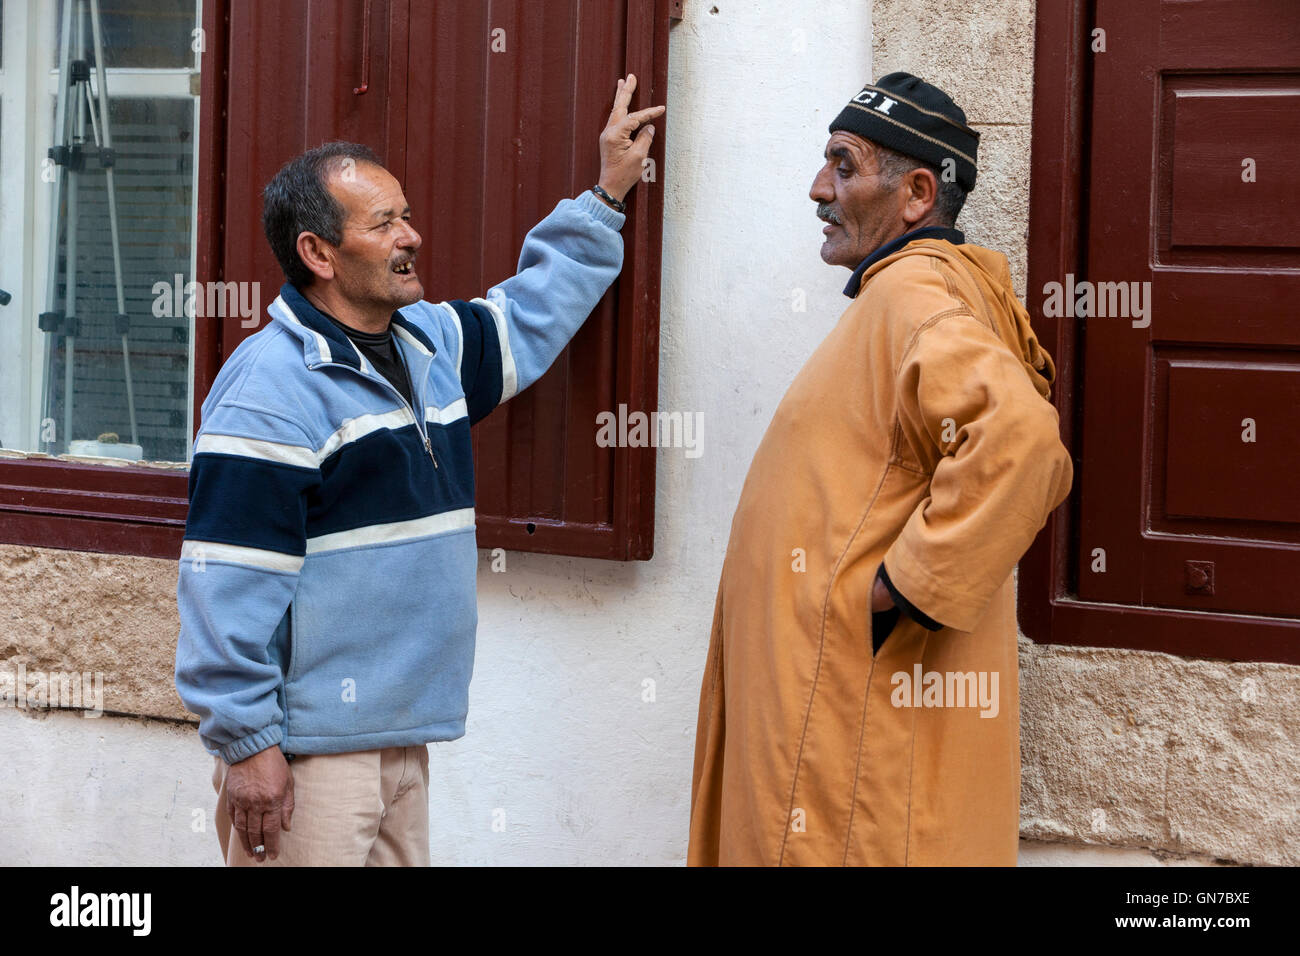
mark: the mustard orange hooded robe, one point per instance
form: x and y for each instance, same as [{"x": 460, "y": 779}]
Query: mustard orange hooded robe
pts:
[{"x": 918, "y": 434}]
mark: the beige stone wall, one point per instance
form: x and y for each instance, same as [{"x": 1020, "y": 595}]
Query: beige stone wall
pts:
[
  {"x": 1185, "y": 758},
  {"x": 1135, "y": 749},
  {"x": 982, "y": 55},
  {"x": 93, "y": 613}
]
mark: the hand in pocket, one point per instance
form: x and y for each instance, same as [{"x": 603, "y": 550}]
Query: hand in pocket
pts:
[{"x": 882, "y": 625}]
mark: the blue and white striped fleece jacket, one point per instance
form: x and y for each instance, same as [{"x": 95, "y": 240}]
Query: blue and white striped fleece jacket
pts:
[{"x": 327, "y": 580}]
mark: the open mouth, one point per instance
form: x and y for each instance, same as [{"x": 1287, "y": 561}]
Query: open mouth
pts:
[{"x": 405, "y": 269}]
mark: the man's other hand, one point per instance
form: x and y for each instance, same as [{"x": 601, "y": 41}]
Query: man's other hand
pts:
[
  {"x": 259, "y": 799},
  {"x": 881, "y": 599},
  {"x": 625, "y": 142}
]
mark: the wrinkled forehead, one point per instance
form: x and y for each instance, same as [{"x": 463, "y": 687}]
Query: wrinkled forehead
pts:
[{"x": 843, "y": 144}]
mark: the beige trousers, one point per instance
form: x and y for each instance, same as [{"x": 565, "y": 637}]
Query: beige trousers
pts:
[{"x": 369, "y": 808}]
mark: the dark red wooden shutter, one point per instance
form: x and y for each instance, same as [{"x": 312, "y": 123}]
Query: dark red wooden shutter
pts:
[{"x": 485, "y": 143}]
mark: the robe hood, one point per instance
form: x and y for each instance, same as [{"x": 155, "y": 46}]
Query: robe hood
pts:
[{"x": 991, "y": 275}]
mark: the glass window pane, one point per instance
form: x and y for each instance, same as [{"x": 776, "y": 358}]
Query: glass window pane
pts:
[
  {"x": 140, "y": 34},
  {"x": 108, "y": 234},
  {"x": 153, "y": 178}
]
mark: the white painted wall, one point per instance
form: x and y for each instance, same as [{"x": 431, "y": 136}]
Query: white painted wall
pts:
[
  {"x": 98, "y": 791},
  {"x": 103, "y": 791},
  {"x": 559, "y": 736}
]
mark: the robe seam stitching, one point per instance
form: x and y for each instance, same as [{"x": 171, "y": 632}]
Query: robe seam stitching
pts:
[
  {"x": 897, "y": 445},
  {"x": 899, "y": 463},
  {"x": 958, "y": 263},
  {"x": 953, "y": 290},
  {"x": 716, "y": 668},
  {"x": 862, "y": 729},
  {"x": 911, "y": 770},
  {"x": 930, "y": 323},
  {"x": 821, "y": 652}
]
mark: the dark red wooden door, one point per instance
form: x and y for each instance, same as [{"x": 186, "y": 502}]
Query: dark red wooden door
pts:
[{"x": 1190, "y": 440}]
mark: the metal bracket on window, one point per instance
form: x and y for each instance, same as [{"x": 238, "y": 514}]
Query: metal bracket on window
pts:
[
  {"x": 676, "y": 9},
  {"x": 365, "y": 52}
]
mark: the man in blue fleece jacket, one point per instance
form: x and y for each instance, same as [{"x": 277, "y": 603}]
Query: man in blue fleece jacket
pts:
[{"x": 327, "y": 580}]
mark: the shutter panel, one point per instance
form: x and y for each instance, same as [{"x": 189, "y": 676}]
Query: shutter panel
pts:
[{"x": 485, "y": 143}]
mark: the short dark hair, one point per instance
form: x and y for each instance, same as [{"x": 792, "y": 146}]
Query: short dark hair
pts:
[
  {"x": 950, "y": 196},
  {"x": 298, "y": 200}
]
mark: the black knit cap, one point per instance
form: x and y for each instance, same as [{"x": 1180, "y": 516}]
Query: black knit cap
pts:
[{"x": 907, "y": 114}]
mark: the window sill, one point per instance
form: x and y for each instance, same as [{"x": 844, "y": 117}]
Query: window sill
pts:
[{"x": 69, "y": 503}]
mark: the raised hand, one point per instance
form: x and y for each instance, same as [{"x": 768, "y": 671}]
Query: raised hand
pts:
[{"x": 625, "y": 141}]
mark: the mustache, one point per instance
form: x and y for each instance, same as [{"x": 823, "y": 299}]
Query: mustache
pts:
[{"x": 827, "y": 214}]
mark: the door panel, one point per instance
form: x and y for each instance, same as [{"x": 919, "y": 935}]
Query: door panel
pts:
[
  {"x": 1192, "y": 508},
  {"x": 524, "y": 145}
]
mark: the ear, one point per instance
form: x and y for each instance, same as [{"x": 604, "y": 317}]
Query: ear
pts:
[
  {"x": 316, "y": 254},
  {"x": 921, "y": 191}
]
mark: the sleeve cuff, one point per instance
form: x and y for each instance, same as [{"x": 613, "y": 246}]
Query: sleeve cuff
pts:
[
  {"x": 910, "y": 609},
  {"x": 245, "y": 747},
  {"x": 606, "y": 215}
]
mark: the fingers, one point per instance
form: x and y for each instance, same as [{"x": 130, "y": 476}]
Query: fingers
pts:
[
  {"x": 286, "y": 809},
  {"x": 623, "y": 95},
  {"x": 625, "y": 142},
  {"x": 649, "y": 113},
  {"x": 260, "y": 801},
  {"x": 642, "y": 142},
  {"x": 270, "y": 824},
  {"x": 239, "y": 817},
  {"x": 255, "y": 837},
  {"x": 622, "y": 131}
]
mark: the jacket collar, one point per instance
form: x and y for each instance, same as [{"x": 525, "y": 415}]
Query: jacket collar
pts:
[
  {"x": 323, "y": 341},
  {"x": 889, "y": 248}
]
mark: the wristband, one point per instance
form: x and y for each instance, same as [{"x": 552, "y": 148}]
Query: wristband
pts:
[{"x": 610, "y": 200}]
